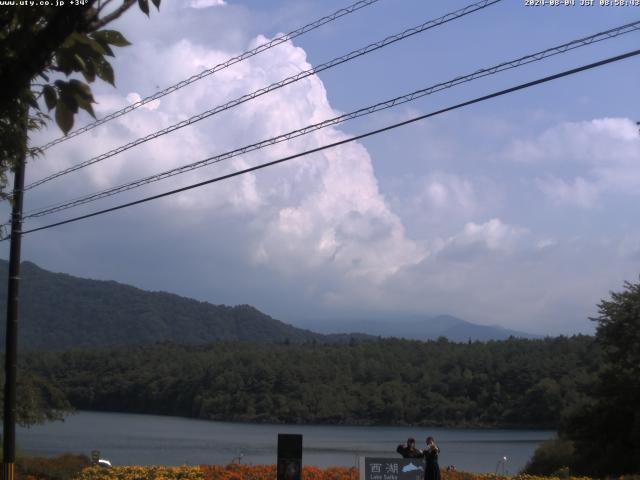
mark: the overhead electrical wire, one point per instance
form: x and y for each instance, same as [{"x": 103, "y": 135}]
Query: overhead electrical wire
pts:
[
  {"x": 534, "y": 57},
  {"x": 274, "y": 86},
  {"x": 521, "y": 86},
  {"x": 205, "y": 73}
]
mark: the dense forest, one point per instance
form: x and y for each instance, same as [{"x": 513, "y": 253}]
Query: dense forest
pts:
[{"x": 511, "y": 383}]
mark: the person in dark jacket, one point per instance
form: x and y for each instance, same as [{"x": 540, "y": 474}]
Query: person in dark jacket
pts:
[
  {"x": 409, "y": 450},
  {"x": 432, "y": 469}
]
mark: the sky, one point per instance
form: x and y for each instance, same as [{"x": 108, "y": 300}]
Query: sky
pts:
[{"x": 518, "y": 211}]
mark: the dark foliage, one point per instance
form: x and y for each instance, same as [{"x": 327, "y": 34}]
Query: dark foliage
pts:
[
  {"x": 511, "y": 383},
  {"x": 59, "y": 312},
  {"x": 42, "y": 47},
  {"x": 63, "y": 467},
  {"x": 552, "y": 458},
  {"x": 606, "y": 430},
  {"x": 39, "y": 400},
  {"x": 603, "y": 430}
]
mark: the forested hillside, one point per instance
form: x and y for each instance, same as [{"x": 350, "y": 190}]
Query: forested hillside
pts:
[
  {"x": 59, "y": 312},
  {"x": 512, "y": 383}
]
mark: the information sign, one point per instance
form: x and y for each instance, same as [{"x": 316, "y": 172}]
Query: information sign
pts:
[{"x": 391, "y": 468}]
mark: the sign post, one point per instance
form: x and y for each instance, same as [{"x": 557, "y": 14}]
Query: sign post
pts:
[
  {"x": 289, "y": 456},
  {"x": 384, "y": 468}
]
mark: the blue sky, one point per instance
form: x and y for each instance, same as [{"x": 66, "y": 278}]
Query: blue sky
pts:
[{"x": 518, "y": 211}]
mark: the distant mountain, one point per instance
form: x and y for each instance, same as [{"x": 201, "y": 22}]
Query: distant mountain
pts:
[
  {"x": 420, "y": 328},
  {"x": 59, "y": 311}
]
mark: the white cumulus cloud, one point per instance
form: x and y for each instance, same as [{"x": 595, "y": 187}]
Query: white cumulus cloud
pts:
[
  {"x": 603, "y": 155},
  {"x": 206, "y": 3},
  {"x": 320, "y": 215},
  {"x": 578, "y": 192},
  {"x": 477, "y": 239}
]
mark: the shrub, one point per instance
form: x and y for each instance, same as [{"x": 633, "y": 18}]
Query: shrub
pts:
[
  {"x": 553, "y": 457},
  {"x": 63, "y": 467}
]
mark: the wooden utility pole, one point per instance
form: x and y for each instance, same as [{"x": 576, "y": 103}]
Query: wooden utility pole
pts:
[{"x": 11, "y": 346}]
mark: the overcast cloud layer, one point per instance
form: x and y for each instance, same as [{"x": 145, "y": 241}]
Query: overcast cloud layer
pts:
[{"x": 524, "y": 242}]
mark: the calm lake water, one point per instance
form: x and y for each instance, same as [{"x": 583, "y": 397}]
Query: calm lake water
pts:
[{"x": 128, "y": 439}]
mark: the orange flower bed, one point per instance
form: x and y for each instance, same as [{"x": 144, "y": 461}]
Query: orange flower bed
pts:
[
  {"x": 153, "y": 472},
  {"x": 264, "y": 472},
  {"x": 268, "y": 472}
]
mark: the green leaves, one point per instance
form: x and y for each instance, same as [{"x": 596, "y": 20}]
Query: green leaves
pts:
[
  {"x": 76, "y": 39},
  {"x": 33, "y": 57},
  {"x": 67, "y": 98},
  {"x": 64, "y": 117},
  {"x": 144, "y": 6},
  {"x": 110, "y": 37},
  {"x": 105, "y": 71},
  {"x": 86, "y": 54},
  {"x": 83, "y": 54},
  {"x": 83, "y": 96},
  {"x": 50, "y": 96}
]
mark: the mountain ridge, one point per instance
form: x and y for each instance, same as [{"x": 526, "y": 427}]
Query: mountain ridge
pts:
[
  {"x": 422, "y": 327},
  {"x": 60, "y": 311}
]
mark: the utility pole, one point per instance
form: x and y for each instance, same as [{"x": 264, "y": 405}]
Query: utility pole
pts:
[{"x": 11, "y": 346}]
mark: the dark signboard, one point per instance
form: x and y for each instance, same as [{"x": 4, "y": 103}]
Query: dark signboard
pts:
[
  {"x": 392, "y": 469},
  {"x": 289, "y": 456}
]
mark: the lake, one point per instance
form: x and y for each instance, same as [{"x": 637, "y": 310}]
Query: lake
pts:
[{"x": 129, "y": 439}]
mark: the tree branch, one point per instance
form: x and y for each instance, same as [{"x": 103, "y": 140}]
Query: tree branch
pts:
[
  {"x": 126, "y": 4},
  {"x": 102, "y": 5}
]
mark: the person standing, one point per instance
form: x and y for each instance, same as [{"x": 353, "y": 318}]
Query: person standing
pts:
[
  {"x": 432, "y": 469},
  {"x": 409, "y": 450}
]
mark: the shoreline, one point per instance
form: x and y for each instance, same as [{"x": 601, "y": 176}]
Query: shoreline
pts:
[{"x": 235, "y": 421}]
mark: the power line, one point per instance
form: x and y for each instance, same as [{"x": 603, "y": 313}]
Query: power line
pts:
[
  {"x": 232, "y": 61},
  {"x": 347, "y": 140},
  {"x": 534, "y": 57},
  {"x": 274, "y": 86}
]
